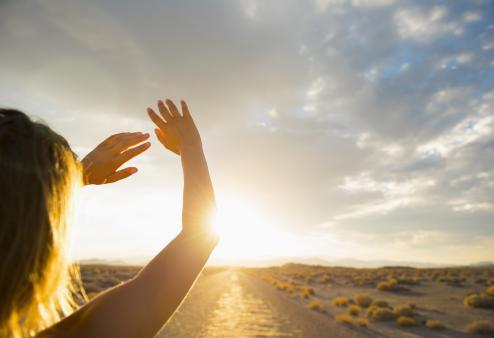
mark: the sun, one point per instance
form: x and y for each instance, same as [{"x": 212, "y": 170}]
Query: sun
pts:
[{"x": 246, "y": 234}]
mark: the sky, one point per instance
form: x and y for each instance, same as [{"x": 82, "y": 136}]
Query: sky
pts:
[{"x": 334, "y": 129}]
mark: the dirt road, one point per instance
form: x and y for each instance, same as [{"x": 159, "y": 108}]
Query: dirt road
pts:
[{"x": 233, "y": 304}]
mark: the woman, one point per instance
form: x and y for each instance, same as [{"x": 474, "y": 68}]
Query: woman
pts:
[{"x": 38, "y": 175}]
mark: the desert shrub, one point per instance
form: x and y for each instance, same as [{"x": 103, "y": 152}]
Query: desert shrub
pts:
[
  {"x": 283, "y": 286},
  {"x": 380, "y": 314},
  {"x": 403, "y": 310},
  {"x": 315, "y": 305},
  {"x": 380, "y": 303},
  {"x": 490, "y": 291},
  {"x": 480, "y": 327},
  {"x": 326, "y": 279},
  {"x": 342, "y": 318},
  {"x": 391, "y": 285},
  {"x": 370, "y": 311},
  {"x": 383, "y": 286},
  {"x": 307, "y": 292},
  {"x": 354, "y": 310},
  {"x": 476, "y": 300},
  {"x": 341, "y": 301},
  {"x": 434, "y": 325},
  {"x": 406, "y": 321},
  {"x": 363, "y": 300}
]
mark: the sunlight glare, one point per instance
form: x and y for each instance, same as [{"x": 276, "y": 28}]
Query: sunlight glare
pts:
[{"x": 246, "y": 234}]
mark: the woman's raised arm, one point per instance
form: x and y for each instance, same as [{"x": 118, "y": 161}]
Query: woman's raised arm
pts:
[{"x": 140, "y": 307}]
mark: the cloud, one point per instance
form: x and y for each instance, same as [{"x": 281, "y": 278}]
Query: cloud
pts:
[{"x": 424, "y": 24}]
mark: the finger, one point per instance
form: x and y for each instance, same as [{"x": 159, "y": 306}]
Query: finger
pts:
[
  {"x": 113, "y": 138},
  {"x": 172, "y": 108},
  {"x": 185, "y": 109},
  {"x": 132, "y": 152},
  {"x": 161, "y": 138},
  {"x": 120, "y": 174},
  {"x": 159, "y": 134},
  {"x": 158, "y": 121},
  {"x": 164, "y": 111},
  {"x": 128, "y": 141}
]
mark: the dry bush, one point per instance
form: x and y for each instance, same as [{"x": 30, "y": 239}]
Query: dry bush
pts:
[
  {"x": 283, "y": 286},
  {"x": 315, "y": 305},
  {"x": 361, "y": 322},
  {"x": 391, "y": 285},
  {"x": 311, "y": 291},
  {"x": 383, "y": 286},
  {"x": 370, "y": 310},
  {"x": 403, "y": 310},
  {"x": 363, "y": 300},
  {"x": 406, "y": 321},
  {"x": 482, "y": 300},
  {"x": 354, "y": 310},
  {"x": 490, "y": 291},
  {"x": 480, "y": 327},
  {"x": 341, "y": 301},
  {"x": 342, "y": 318},
  {"x": 380, "y": 314},
  {"x": 434, "y": 325},
  {"x": 307, "y": 292},
  {"x": 326, "y": 279}
]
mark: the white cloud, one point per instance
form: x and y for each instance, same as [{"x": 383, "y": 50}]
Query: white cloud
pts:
[
  {"x": 471, "y": 16},
  {"x": 464, "y": 57},
  {"x": 366, "y": 141},
  {"x": 393, "y": 194},
  {"x": 466, "y": 132},
  {"x": 423, "y": 24},
  {"x": 467, "y": 206},
  {"x": 372, "y": 3}
]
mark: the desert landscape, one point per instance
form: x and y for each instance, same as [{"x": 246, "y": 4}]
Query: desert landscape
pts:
[{"x": 296, "y": 300}]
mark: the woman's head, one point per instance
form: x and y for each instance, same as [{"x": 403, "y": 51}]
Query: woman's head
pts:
[{"x": 38, "y": 173}]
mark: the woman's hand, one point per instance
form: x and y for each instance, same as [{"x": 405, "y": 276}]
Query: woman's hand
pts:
[
  {"x": 101, "y": 164},
  {"x": 175, "y": 131},
  {"x": 178, "y": 133}
]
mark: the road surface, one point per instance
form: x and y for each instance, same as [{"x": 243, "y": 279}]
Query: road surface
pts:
[{"x": 234, "y": 304}]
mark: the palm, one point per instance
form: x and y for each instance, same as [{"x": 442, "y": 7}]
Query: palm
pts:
[
  {"x": 175, "y": 130},
  {"x": 101, "y": 165}
]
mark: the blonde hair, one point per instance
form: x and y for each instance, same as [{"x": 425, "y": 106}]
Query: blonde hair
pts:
[{"x": 38, "y": 173}]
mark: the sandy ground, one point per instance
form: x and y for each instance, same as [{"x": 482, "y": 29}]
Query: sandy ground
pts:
[{"x": 235, "y": 304}]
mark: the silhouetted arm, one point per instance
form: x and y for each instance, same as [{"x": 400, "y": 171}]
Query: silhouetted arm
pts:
[{"x": 140, "y": 307}]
